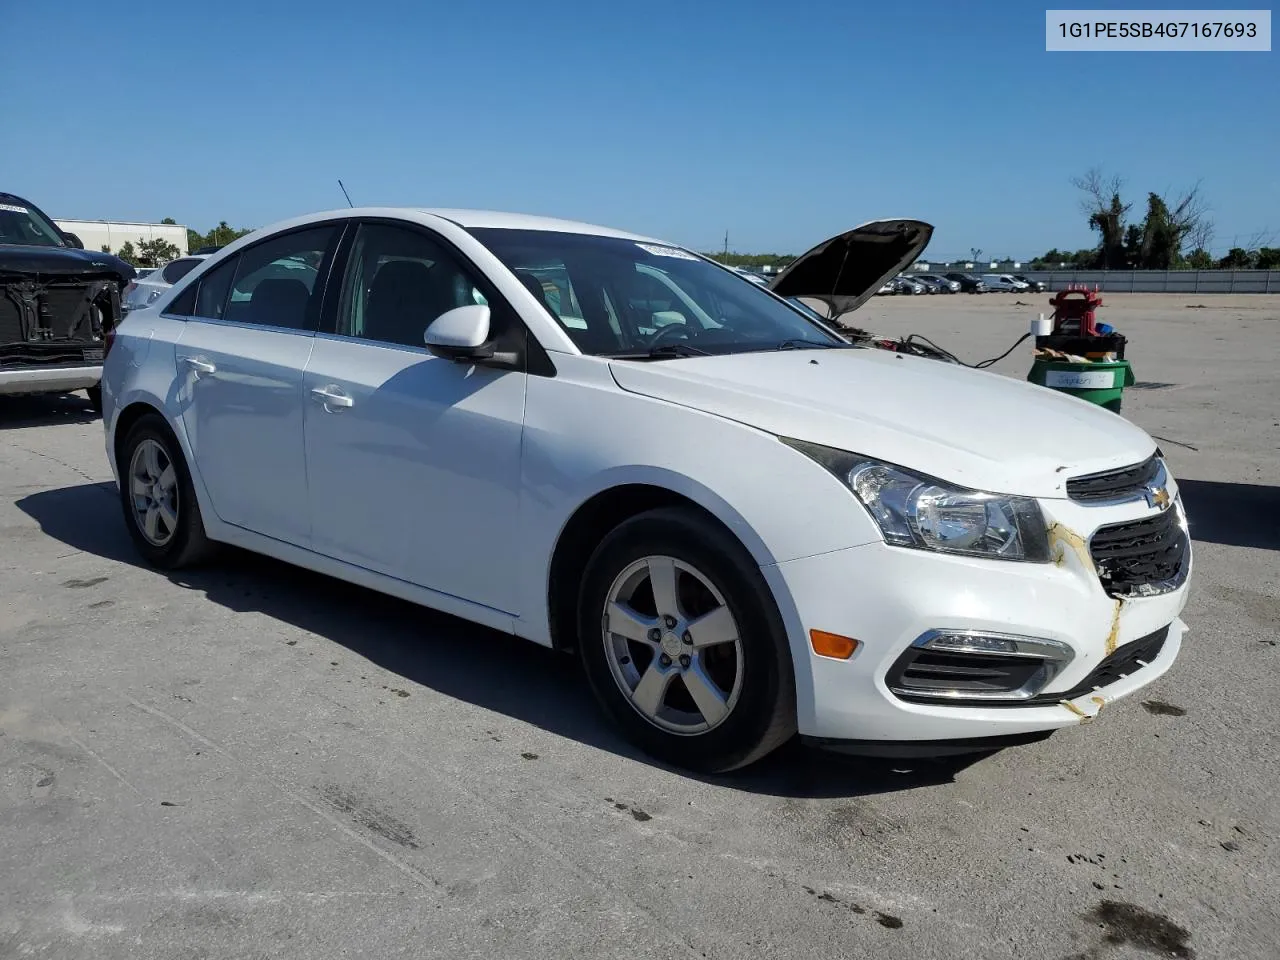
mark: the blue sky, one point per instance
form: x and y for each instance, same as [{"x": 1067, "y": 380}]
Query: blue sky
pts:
[{"x": 779, "y": 122}]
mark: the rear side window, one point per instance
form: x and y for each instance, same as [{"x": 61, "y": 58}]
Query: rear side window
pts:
[
  {"x": 277, "y": 282},
  {"x": 173, "y": 272}
]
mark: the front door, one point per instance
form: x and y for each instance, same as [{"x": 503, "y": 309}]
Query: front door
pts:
[
  {"x": 413, "y": 461},
  {"x": 240, "y": 364}
]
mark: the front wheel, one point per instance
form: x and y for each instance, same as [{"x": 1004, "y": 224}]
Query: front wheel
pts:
[
  {"x": 95, "y": 398},
  {"x": 158, "y": 498},
  {"x": 683, "y": 645}
]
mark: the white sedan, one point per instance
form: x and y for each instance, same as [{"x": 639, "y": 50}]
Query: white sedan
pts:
[
  {"x": 744, "y": 526},
  {"x": 147, "y": 287}
]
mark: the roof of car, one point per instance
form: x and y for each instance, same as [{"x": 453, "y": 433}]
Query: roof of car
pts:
[
  {"x": 470, "y": 218},
  {"x": 522, "y": 221}
]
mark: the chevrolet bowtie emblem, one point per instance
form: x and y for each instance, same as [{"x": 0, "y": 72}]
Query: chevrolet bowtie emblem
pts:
[{"x": 1157, "y": 497}]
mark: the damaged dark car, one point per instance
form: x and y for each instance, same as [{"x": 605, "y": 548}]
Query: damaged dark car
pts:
[{"x": 58, "y": 305}]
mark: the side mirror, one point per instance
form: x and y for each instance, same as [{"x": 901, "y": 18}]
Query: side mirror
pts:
[
  {"x": 462, "y": 335},
  {"x": 75, "y": 241}
]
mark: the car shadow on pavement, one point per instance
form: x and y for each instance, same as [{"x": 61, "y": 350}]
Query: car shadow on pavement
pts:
[
  {"x": 1234, "y": 514},
  {"x": 45, "y": 410},
  {"x": 459, "y": 659}
]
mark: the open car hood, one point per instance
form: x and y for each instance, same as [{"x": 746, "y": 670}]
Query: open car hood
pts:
[{"x": 846, "y": 270}]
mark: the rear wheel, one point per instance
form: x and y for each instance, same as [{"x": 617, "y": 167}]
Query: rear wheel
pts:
[
  {"x": 95, "y": 398},
  {"x": 683, "y": 645},
  {"x": 157, "y": 497}
]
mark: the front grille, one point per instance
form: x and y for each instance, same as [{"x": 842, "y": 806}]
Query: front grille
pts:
[
  {"x": 1130, "y": 658},
  {"x": 1141, "y": 557},
  {"x": 64, "y": 310},
  {"x": 929, "y": 675},
  {"x": 1114, "y": 484},
  {"x": 32, "y": 312},
  {"x": 11, "y": 327}
]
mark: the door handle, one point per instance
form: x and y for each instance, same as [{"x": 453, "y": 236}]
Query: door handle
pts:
[
  {"x": 199, "y": 366},
  {"x": 331, "y": 396}
]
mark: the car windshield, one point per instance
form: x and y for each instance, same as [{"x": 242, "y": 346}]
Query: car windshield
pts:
[
  {"x": 23, "y": 225},
  {"x": 622, "y": 298}
]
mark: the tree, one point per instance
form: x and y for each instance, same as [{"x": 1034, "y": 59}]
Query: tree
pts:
[
  {"x": 154, "y": 252},
  {"x": 1237, "y": 258},
  {"x": 128, "y": 254},
  {"x": 219, "y": 236},
  {"x": 1268, "y": 258},
  {"x": 170, "y": 221},
  {"x": 1161, "y": 240},
  {"x": 975, "y": 254},
  {"x": 1154, "y": 244},
  {"x": 1106, "y": 213},
  {"x": 1199, "y": 259}
]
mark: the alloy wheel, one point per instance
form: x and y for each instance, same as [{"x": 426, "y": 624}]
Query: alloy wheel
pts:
[
  {"x": 153, "y": 490},
  {"x": 672, "y": 645}
]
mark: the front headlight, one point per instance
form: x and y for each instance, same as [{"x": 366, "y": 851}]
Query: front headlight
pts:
[{"x": 927, "y": 514}]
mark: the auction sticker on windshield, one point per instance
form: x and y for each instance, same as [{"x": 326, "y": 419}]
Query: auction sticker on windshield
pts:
[
  {"x": 658, "y": 251},
  {"x": 13, "y": 209}
]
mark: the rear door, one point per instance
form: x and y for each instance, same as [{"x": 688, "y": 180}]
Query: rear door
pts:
[{"x": 240, "y": 367}]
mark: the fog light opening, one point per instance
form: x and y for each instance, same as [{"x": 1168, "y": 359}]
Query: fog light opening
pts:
[{"x": 964, "y": 666}]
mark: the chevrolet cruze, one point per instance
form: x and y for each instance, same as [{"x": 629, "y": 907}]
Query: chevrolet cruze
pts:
[{"x": 745, "y": 526}]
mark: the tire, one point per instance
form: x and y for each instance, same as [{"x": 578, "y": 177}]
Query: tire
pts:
[
  {"x": 179, "y": 539},
  {"x": 745, "y": 662},
  {"x": 95, "y": 398}
]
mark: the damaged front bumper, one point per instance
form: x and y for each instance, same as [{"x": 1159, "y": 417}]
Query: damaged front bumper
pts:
[
  {"x": 891, "y": 600},
  {"x": 53, "y": 332},
  {"x": 62, "y": 379}
]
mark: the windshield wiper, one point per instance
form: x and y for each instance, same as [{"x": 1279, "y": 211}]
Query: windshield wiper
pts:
[
  {"x": 664, "y": 352},
  {"x": 801, "y": 344}
]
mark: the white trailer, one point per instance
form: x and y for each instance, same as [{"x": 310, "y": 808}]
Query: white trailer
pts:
[{"x": 114, "y": 234}]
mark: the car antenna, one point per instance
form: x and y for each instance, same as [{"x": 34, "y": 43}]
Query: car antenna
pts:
[{"x": 345, "y": 194}]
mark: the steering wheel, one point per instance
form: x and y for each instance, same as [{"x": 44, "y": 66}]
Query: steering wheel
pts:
[{"x": 671, "y": 331}]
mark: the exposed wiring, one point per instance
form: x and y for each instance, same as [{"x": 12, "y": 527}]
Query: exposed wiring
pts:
[
  {"x": 1178, "y": 442},
  {"x": 948, "y": 355},
  {"x": 986, "y": 363}
]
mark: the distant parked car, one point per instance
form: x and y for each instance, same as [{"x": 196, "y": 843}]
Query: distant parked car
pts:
[
  {"x": 145, "y": 288},
  {"x": 937, "y": 284},
  {"x": 908, "y": 285},
  {"x": 968, "y": 282},
  {"x": 887, "y": 289},
  {"x": 1002, "y": 283},
  {"x": 1035, "y": 286}
]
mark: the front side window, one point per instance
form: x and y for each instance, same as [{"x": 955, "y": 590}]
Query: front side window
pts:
[
  {"x": 398, "y": 281},
  {"x": 277, "y": 281},
  {"x": 619, "y": 297}
]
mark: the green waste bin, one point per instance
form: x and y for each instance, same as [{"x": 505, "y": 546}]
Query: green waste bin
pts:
[{"x": 1100, "y": 383}]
